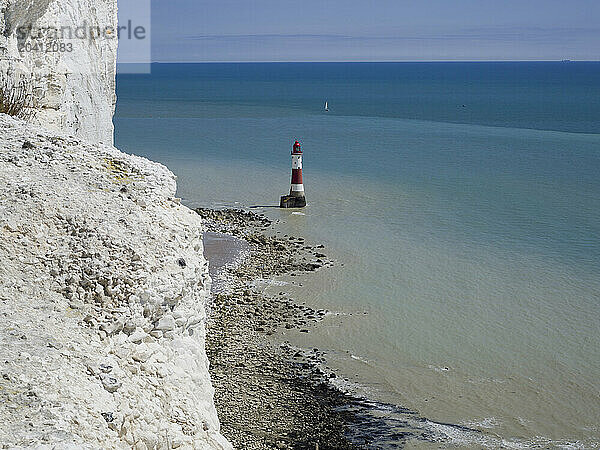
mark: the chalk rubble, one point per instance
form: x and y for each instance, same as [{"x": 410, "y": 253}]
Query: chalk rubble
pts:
[{"x": 102, "y": 300}]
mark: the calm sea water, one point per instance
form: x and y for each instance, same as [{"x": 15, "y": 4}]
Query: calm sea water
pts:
[{"x": 463, "y": 200}]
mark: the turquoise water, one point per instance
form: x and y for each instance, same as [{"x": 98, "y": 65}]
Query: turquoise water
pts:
[{"x": 462, "y": 198}]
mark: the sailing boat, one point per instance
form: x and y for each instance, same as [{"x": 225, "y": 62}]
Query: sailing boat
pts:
[{"x": 326, "y": 107}]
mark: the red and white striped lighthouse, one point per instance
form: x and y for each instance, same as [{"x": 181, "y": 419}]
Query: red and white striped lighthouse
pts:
[
  {"x": 297, "y": 189},
  {"x": 296, "y": 198}
]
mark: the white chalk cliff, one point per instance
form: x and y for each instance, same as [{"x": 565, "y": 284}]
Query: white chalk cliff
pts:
[
  {"x": 103, "y": 283},
  {"x": 74, "y": 90},
  {"x": 102, "y": 300}
]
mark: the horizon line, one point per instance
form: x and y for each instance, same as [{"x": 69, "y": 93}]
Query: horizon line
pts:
[{"x": 377, "y": 61}]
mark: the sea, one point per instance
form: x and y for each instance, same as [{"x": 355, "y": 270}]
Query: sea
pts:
[{"x": 461, "y": 202}]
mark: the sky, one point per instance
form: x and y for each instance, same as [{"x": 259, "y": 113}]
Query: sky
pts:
[{"x": 375, "y": 30}]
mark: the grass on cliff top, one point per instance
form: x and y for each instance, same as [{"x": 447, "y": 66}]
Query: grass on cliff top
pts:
[{"x": 16, "y": 97}]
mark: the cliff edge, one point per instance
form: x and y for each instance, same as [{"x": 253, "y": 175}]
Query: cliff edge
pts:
[{"x": 102, "y": 294}]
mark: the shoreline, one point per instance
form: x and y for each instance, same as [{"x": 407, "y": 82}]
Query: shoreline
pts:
[
  {"x": 267, "y": 394},
  {"x": 270, "y": 393}
]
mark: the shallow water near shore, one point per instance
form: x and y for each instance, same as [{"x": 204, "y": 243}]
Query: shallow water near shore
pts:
[
  {"x": 221, "y": 250},
  {"x": 473, "y": 249}
]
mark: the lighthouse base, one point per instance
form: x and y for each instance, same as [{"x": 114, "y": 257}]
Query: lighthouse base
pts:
[{"x": 289, "y": 201}]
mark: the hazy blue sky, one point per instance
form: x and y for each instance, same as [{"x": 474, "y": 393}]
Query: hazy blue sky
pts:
[{"x": 377, "y": 30}]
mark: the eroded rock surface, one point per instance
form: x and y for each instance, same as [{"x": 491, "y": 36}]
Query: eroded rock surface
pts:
[
  {"x": 102, "y": 328},
  {"x": 73, "y": 85}
]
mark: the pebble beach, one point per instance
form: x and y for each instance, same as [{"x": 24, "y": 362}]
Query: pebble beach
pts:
[{"x": 268, "y": 393}]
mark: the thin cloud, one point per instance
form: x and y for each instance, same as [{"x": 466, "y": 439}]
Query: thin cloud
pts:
[{"x": 509, "y": 34}]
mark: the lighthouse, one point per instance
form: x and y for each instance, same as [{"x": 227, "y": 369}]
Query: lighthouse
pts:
[{"x": 296, "y": 198}]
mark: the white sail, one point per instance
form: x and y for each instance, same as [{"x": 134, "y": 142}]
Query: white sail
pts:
[{"x": 326, "y": 107}]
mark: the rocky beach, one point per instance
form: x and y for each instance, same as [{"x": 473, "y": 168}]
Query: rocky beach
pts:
[{"x": 270, "y": 395}]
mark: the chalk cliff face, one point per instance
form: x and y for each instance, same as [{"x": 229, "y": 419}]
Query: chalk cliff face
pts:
[
  {"x": 103, "y": 289},
  {"x": 74, "y": 85},
  {"x": 103, "y": 283}
]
